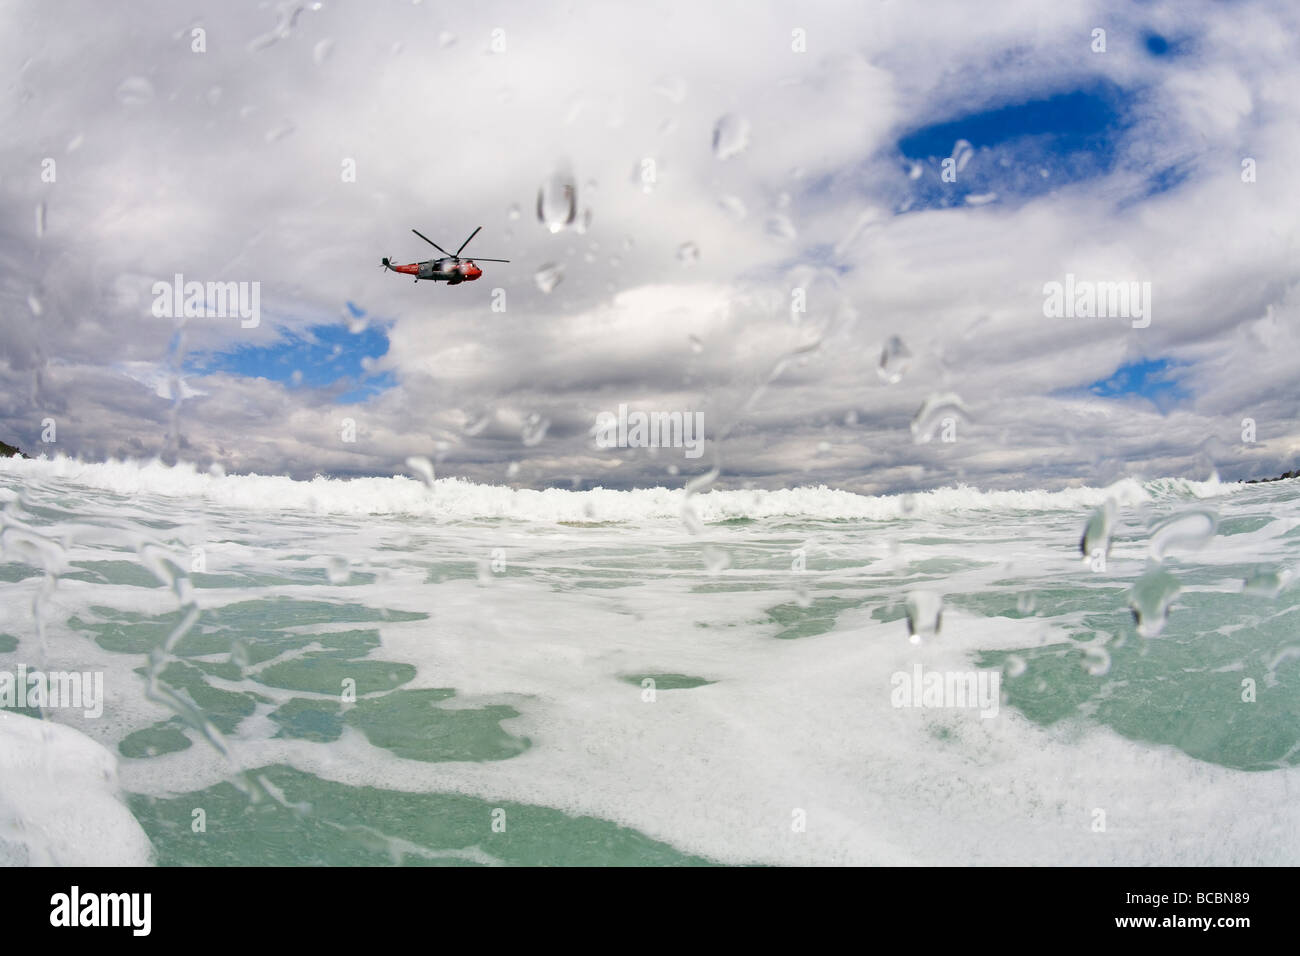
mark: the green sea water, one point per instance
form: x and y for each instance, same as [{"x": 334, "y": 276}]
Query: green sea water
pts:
[{"x": 315, "y": 685}]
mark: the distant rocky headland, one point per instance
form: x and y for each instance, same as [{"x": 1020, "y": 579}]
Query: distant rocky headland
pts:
[
  {"x": 8, "y": 451},
  {"x": 1283, "y": 477}
]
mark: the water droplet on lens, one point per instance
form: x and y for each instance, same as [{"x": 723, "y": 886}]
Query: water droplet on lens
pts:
[
  {"x": 1096, "y": 660},
  {"x": 1026, "y": 603},
  {"x": 924, "y": 615},
  {"x": 716, "y": 560},
  {"x": 730, "y": 136},
  {"x": 422, "y": 467},
  {"x": 1267, "y": 584},
  {"x": 895, "y": 360},
  {"x": 962, "y": 152},
  {"x": 1191, "y": 529},
  {"x": 475, "y": 424},
  {"x": 672, "y": 87},
  {"x": 1097, "y": 531},
  {"x": 322, "y": 50},
  {"x": 1150, "y": 597},
  {"x": 34, "y": 304},
  {"x": 338, "y": 571},
  {"x": 279, "y": 132},
  {"x": 513, "y": 211},
  {"x": 548, "y": 276},
  {"x": 688, "y": 253},
  {"x": 939, "y": 410},
  {"x": 733, "y": 207},
  {"x": 557, "y": 201},
  {"x": 697, "y": 345},
  {"x": 134, "y": 91},
  {"x": 534, "y": 429},
  {"x": 780, "y": 227},
  {"x": 40, "y": 220},
  {"x": 446, "y": 38}
]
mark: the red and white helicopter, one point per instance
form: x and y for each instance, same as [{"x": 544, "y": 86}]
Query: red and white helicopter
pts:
[{"x": 452, "y": 269}]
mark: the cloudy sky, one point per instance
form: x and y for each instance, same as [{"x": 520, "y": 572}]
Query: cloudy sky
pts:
[{"x": 731, "y": 162}]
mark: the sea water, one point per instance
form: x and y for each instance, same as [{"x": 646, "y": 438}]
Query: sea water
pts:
[{"x": 387, "y": 671}]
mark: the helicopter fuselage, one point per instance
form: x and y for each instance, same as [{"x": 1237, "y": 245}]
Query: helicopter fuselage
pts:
[
  {"x": 452, "y": 269},
  {"x": 442, "y": 270}
]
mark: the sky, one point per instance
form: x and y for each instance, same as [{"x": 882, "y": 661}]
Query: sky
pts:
[{"x": 767, "y": 197}]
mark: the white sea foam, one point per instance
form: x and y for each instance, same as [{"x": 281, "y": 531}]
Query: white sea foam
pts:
[
  {"x": 805, "y": 724},
  {"x": 59, "y": 803},
  {"x": 451, "y": 498}
]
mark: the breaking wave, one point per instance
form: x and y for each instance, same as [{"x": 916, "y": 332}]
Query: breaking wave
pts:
[{"x": 458, "y": 499}]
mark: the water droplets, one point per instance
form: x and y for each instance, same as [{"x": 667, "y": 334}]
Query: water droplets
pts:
[
  {"x": 557, "y": 201},
  {"x": 779, "y": 226},
  {"x": 1267, "y": 584},
  {"x": 135, "y": 91},
  {"x": 40, "y": 220},
  {"x": 688, "y": 253},
  {"x": 1096, "y": 658},
  {"x": 277, "y": 133},
  {"x": 474, "y": 424},
  {"x": 1097, "y": 531},
  {"x": 961, "y": 154},
  {"x": 693, "y": 487},
  {"x": 322, "y": 50},
  {"x": 423, "y": 469},
  {"x": 937, "y": 410},
  {"x": 1149, "y": 599},
  {"x": 895, "y": 360},
  {"x": 548, "y": 276},
  {"x": 733, "y": 207},
  {"x": 338, "y": 570},
  {"x": 1191, "y": 529},
  {"x": 672, "y": 88},
  {"x": 534, "y": 430},
  {"x": 730, "y": 136},
  {"x": 924, "y": 615},
  {"x": 716, "y": 560}
]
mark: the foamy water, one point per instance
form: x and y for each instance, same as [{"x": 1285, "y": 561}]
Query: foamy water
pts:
[{"x": 500, "y": 642}]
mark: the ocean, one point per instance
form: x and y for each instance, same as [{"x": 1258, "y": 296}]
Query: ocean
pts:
[{"x": 394, "y": 671}]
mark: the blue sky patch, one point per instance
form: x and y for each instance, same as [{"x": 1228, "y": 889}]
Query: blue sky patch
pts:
[
  {"x": 322, "y": 355},
  {"x": 1018, "y": 150},
  {"x": 1153, "y": 379}
]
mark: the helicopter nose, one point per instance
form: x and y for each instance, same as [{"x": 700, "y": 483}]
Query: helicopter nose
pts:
[{"x": 473, "y": 272}]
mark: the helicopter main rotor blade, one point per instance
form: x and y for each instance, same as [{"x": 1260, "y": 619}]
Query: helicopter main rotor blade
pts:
[
  {"x": 481, "y": 259},
  {"x": 432, "y": 243},
  {"x": 466, "y": 242}
]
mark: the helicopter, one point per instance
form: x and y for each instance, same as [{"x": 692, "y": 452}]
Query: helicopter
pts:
[{"x": 452, "y": 269}]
